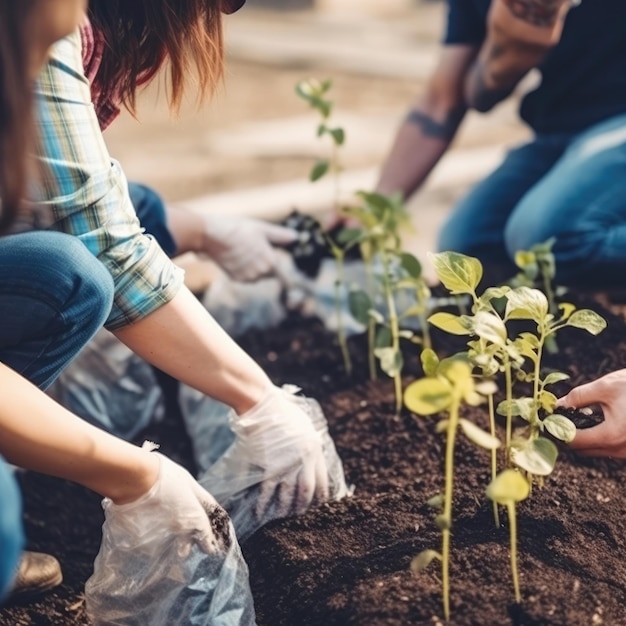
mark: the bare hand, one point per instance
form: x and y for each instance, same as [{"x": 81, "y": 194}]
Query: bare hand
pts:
[{"x": 609, "y": 437}]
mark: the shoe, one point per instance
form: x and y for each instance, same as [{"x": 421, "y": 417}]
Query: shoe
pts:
[{"x": 36, "y": 574}]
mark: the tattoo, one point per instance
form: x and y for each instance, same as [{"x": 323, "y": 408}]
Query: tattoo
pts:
[
  {"x": 535, "y": 12},
  {"x": 432, "y": 128}
]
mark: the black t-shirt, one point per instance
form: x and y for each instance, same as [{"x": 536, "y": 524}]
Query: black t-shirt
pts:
[{"x": 583, "y": 77}]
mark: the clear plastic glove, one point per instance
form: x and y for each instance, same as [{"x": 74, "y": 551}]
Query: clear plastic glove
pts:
[
  {"x": 281, "y": 462},
  {"x": 169, "y": 558},
  {"x": 243, "y": 247}
]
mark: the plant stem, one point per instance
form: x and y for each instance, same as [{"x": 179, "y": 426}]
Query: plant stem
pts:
[
  {"x": 509, "y": 410},
  {"x": 393, "y": 327},
  {"x": 494, "y": 457},
  {"x": 513, "y": 540},
  {"x": 371, "y": 337},
  {"x": 341, "y": 334},
  {"x": 453, "y": 422},
  {"x": 534, "y": 425}
]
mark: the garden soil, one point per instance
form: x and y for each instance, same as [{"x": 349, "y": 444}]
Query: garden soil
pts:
[{"x": 348, "y": 562}]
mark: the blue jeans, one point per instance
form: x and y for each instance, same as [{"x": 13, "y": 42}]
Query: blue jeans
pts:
[
  {"x": 11, "y": 533},
  {"x": 150, "y": 210},
  {"x": 54, "y": 296},
  {"x": 571, "y": 187}
]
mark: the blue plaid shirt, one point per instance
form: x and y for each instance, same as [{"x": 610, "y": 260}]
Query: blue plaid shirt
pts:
[{"x": 83, "y": 192}]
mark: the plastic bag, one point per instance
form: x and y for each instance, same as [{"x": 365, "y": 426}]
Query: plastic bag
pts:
[
  {"x": 153, "y": 569},
  {"x": 111, "y": 387},
  {"x": 236, "y": 483}
]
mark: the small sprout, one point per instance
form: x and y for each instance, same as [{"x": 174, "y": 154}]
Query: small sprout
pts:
[
  {"x": 435, "y": 502},
  {"x": 423, "y": 560}
]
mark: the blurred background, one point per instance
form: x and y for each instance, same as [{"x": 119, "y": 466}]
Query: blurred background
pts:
[{"x": 249, "y": 150}]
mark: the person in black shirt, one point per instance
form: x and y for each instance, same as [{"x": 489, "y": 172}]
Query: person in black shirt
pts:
[{"x": 569, "y": 181}]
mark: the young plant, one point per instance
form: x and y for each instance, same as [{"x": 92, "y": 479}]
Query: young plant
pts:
[
  {"x": 315, "y": 93},
  {"x": 447, "y": 384},
  {"x": 381, "y": 219},
  {"x": 507, "y": 489}
]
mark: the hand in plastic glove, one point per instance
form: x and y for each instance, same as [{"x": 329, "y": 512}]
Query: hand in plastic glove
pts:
[
  {"x": 177, "y": 504},
  {"x": 281, "y": 462},
  {"x": 609, "y": 437},
  {"x": 244, "y": 247}
]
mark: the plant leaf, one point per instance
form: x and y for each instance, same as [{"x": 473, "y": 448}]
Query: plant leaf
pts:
[
  {"x": 410, "y": 263},
  {"x": 435, "y": 502},
  {"x": 338, "y": 135},
  {"x": 443, "y": 522},
  {"x": 560, "y": 427},
  {"x": 430, "y": 362},
  {"x": 489, "y": 326},
  {"x": 459, "y": 273},
  {"x": 526, "y": 303},
  {"x": 449, "y": 322},
  {"x": 319, "y": 169},
  {"x": 423, "y": 560},
  {"x": 428, "y": 396},
  {"x": 587, "y": 320},
  {"x": 478, "y": 435},
  {"x": 537, "y": 456},
  {"x": 554, "y": 377},
  {"x": 522, "y": 407},
  {"x": 359, "y": 304},
  {"x": 391, "y": 361},
  {"x": 508, "y": 486}
]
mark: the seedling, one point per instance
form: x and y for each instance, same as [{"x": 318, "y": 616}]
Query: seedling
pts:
[
  {"x": 447, "y": 384},
  {"x": 507, "y": 489}
]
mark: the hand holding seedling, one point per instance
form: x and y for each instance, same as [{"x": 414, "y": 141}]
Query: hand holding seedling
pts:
[{"x": 609, "y": 437}]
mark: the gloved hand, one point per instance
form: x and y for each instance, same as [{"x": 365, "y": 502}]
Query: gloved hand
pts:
[
  {"x": 170, "y": 558},
  {"x": 180, "y": 505},
  {"x": 281, "y": 462},
  {"x": 244, "y": 247}
]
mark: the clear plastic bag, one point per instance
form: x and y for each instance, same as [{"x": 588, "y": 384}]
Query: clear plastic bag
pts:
[
  {"x": 237, "y": 484},
  {"x": 156, "y": 567}
]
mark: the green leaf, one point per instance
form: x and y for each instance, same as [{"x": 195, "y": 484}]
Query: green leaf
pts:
[
  {"x": 383, "y": 338},
  {"x": 478, "y": 435},
  {"x": 560, "y": 427},
  {"x": 537, "y": 456},
  {"x": 436, "y": 502},
  {"x": 522, "y": 407},
  {"x": 508, "y": 486},
  {"x": 566, "y": 308},
  {"x": 360, "y": 305},
  {"x": 423, "y": 560},
  {"x": 526, "y": 303},
  {"x": 391, "y": 361},
  {"x": 338, "y": 135},
  {"x": 547, "y": 400},
  {"x": 449, "y": 322},
  {"x": 319, "y": 169},
  {"x": 486, "y": 387},
  {"x": 428, "y": 396},
  {"x": 489, "y": 326},
  {"x": 410, "y": 263},
  {"x": 554, "y": 377},
  {"x": 430, "y": 362},
  {"x": 443, "y": 522},
  {"x": 376, "y": 316},
  {"x": 459, "y": 273},
  {"x": 495, "y": 293},
  {"x": 442, "y": 426},
  {"x": 587, "y": 320},
  {"x": 349, "y": 235},
  {"x": 527, "y": 261}
]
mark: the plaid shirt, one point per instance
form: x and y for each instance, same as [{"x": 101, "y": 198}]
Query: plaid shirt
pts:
[{"x": 82, "y": 191}]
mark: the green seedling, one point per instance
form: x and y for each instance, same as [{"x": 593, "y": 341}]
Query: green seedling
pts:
[
  {"x": 507, "y": 489},
  {"x": 381, "y": 219},
  {"x": 315, "y": 93},
  {"x": 447, "y": 384}
]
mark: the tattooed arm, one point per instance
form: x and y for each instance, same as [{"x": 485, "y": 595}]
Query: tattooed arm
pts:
[
  {"x": 519, "y": 35},
  {"x": 430, "y": 126}
]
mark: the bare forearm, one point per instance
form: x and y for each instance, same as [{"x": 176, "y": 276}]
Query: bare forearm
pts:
[
  {"x": 520, "y": 33},
  {"x": 182, "y": 339},
  {"x": 38, "y": 434},
  {"x": 421, "y": 141}
]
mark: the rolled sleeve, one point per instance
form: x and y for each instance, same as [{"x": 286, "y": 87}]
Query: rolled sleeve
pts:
[
  {"x": 84, "y": 192},
  {"x": 466, "y": 24}
]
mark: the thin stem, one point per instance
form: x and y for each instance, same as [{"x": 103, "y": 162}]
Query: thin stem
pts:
[
  {"x": 393, "y": 327},
  {"x": 494, "y": 457},
  {"x": 513, "y": 540},
  {"x": 371, "y": 338},
  {"x": 509, "y": 408},
  {"x": 453, "y": 422},
  {"x": 341, "y": 334}
]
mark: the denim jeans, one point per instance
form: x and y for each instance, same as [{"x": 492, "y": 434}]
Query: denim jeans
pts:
[
  {"x": 54, "y": 295},
  {"x": 150, "y": 210},
  {"x": 568, "y": 186},
  {"x": 11, "y": 534}
]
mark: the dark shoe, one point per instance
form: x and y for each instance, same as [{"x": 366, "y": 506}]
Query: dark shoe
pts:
[{"x": 37, "y": 573}]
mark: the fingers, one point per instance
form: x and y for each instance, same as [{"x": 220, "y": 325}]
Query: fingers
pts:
[
  {"x": 278, "y": 235},
  {"x": 596, "y": 438},
  {"x": 582, "y": 396}
]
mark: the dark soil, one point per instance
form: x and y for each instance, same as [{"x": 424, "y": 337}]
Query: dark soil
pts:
[{"x": 348, "y": 562}]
